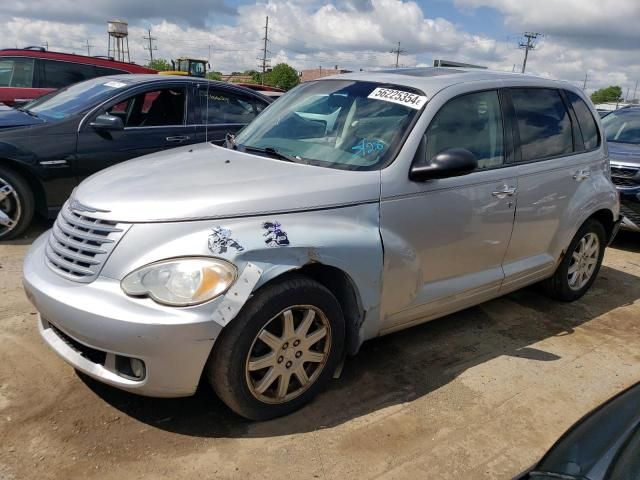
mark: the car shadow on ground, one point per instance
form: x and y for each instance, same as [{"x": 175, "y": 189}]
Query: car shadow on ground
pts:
[{"x": 397, "y": 368}]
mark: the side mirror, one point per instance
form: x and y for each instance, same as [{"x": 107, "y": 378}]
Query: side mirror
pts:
[
  {"x": 107, "y": 122},
  {"x": 449, "y": 163}
]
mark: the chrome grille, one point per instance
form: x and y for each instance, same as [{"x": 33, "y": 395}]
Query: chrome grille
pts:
[
  {"x": 625, "y": 182},
  {"x": 624, "y": 172},
  {"x": 630, "y": 214},
  {"x": 80, "y": 244}
]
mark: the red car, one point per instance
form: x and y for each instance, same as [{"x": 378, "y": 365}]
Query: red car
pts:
[{"x": 31, "y": 72}]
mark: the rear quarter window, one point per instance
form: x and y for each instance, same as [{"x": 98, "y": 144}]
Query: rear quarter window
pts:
[{"x": 588, "y": 126}]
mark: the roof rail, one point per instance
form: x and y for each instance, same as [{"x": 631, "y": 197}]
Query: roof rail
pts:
[
  {"x": 35, "y": 47},
  {"x": 106, "y": 57}
]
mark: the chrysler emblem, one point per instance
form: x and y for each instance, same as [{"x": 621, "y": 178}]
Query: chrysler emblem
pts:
[{"x": 75, "y": 205}]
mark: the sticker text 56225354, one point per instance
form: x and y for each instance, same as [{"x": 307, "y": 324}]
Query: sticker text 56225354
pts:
[{"x": 400, "y": 97}]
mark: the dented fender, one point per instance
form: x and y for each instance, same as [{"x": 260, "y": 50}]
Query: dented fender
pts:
[{"x": 263, "y": 248}]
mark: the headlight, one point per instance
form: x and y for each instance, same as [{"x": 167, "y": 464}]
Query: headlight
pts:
[{"x": 181, "y": 282}]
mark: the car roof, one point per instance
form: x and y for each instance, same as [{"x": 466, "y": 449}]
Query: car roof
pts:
[
  {"x": 431, "y": 80},
  {"x": 145, "y": 79},
  {"x": 108, "y": 62}
]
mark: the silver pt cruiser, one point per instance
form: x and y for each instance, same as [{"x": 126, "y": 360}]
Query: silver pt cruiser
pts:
[{"x": 352, "y": 207}]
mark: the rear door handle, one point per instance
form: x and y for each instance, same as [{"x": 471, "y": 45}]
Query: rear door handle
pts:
[
  {"x": 178, "y": 138},
  {"x": 582, "y": 175},
  {"x": 505, "y": 191}
]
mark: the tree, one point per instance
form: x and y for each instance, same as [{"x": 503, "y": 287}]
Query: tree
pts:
[
  {"x": 282, "y": 76},
  {"x": 609, "y": 94},
  {"x": 160, "y": 64},
  {"x": 214, "y": 75}
]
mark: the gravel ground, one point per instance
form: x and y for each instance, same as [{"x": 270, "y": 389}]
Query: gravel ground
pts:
[{"x": 479, "y": 394}]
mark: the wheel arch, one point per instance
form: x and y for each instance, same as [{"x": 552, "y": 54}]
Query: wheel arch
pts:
[
  {"x": 605, "y": 217},
  {"x": 32, "y": 180}
]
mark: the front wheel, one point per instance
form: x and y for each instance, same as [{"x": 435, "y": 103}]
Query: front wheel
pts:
[
  {"x": 580, "y": 265},
  {"x": 280, "y": 351}
]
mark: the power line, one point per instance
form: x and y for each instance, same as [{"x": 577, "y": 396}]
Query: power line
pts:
[
  {"x": 529, "y": 44},
  {"x": 151, "y": 46},
  {"x": 264, "y": 49},
  {"x": 88, "y": 48},
  {"x": 397, "y": 51}
]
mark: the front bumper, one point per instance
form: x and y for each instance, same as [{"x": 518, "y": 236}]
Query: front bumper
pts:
[{"x": 90, "y": 325}]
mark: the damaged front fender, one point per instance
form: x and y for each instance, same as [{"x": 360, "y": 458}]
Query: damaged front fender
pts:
[{"x": 264, "y": 248}]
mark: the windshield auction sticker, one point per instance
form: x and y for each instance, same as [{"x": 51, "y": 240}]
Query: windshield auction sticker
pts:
[{"x": 407, "y": 99}]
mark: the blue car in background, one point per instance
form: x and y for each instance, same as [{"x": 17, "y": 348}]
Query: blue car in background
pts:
[{"x": 622, "y": 129}]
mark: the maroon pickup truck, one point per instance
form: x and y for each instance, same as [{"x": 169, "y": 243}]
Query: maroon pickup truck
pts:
[{"x": 31, "y": 72}]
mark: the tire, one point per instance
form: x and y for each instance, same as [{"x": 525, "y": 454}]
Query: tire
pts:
[
  {"x": 560, "y": 286},
  {"x": 237, "y": 382},
  {"x": 17, "y": 204}
]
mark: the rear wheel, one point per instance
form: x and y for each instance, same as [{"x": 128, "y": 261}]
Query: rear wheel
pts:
[
  {"x": 580, "y": 265},
  {"x": 16, "y": 204},
  {"x": 280, "y": 351}
]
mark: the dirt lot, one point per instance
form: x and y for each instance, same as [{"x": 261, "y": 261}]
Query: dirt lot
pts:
[{"x": 479, "y": 394}]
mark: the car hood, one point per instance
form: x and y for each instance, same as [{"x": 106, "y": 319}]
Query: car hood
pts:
[
  {"x": 205, "y": 181},
  {"x": 10, "y": 117},
  {"x": 624, "y": 152}
]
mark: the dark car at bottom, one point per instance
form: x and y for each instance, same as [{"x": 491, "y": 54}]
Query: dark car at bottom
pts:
[
  {"x": 622, "y": 129},
  {"x": 49, "y": 145},
  {"x": 603, "y": 445}
]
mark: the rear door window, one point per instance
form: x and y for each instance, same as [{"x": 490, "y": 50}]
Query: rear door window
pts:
[
  {"x": 472, "y": 122},
  {"x": 57, "y": 74},
  {"x": 543, "y": 123},
  {"x": 16, "y": 72},
  {"x": 226, "y": 107},
  {"x": 588, "y": 127}
]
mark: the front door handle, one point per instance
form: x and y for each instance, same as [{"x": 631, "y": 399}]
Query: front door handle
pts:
[
  {"x": 582, "y": 175},
  {"x": 504, "y": 192},
  {"x": 178, "y": 138}
]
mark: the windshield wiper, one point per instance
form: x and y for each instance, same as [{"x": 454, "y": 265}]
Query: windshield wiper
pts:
[
  {"x": 274, "y": 153},
  {"x": 28, "y": 112}
]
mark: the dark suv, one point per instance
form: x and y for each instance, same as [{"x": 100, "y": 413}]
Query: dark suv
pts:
[
  {"x": 622, "y": 129},
  {"x": 31, "y": 72}
]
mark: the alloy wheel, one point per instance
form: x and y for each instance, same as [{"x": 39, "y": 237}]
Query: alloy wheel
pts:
[
  {"x": 288, "y": 354},
  {"x": 584, "y": 261},
  {"x": 10, "y": 207}
]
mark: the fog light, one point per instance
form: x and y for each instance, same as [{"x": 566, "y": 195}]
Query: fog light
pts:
[
  {"x": 137, "y": 368},
  {"x": 131, "y": 368}
]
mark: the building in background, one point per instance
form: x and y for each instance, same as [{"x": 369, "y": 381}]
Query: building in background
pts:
[
  {"x": 316, "y": 73},
  {"x": 449, "y": 63}
]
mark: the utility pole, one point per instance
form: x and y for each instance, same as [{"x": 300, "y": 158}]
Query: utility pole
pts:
[
  {"x": 151, "y": 47},
  {"x": 397, "y": 51},
  {"x": 46, "y": 45},
  {"x": 529, "y": 44},
  {"x": 88, "y": 48},
  {"x": 626, "y": 98},
  {"x": 635, "y": 90},
  {"x": 264, "y": 59},
  {"x": 584, "y": 85}
]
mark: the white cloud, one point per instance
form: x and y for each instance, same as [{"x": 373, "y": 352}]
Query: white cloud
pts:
[{"x": 352, "y": 34}]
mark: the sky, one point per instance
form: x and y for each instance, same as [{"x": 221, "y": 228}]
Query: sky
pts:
[{"x": 596, "y": 38}]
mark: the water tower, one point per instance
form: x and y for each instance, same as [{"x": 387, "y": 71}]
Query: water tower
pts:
[{"x": 118, "y": 40}]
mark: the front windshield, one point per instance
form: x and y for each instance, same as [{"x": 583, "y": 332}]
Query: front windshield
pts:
[
  {"x": 336, "y": 123},
  {"x": 622, "y": 126},
  {"x": 74, "y": 99}
]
